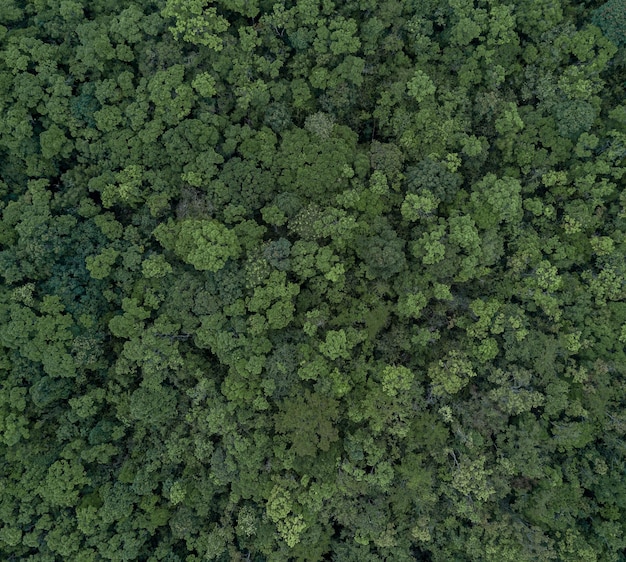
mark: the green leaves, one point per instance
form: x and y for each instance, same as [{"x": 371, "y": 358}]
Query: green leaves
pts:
[
  {"x": 396, "y": 380},
  {"x": 610, "y": 18},
  {"x": 308, "y": 422},
  {"x": 207, "y": 245},
  {"x": 382, "y": 254},
  {"x": 471, "y": 479},
  {"x": 100, "y": 266},
  {"x": 172, "y": 97},
  {"x": 279, "y": 509},
  {"x": 451, "y": 374},
  {"x": 13, "y": 422},
  {"x": 496, "y": 200},
  {"x": 336, "y": 345},
  {"x": 342, "y": 40},
  {"x": 155, "y": 266},
  {"x": 509, "y": 121},
  {"x": 130, "y": 324},
  {"x": 420, "y": 87},
  {"x": 204, "y": 84},
  {"x": 416, "y": 207},
  {"x": 54, "y": 142},
  {"x": 196, "y": 22},
  {"x": 153, "y": 407},
  {"x": 275, "y": 300},
  {"x": 127, "y": 188},
  {"x": 312, "y": 280},
  {"x": 63, "y": 483}
]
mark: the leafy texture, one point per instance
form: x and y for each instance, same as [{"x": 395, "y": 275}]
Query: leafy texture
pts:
[{"x": 312, "y": 280}]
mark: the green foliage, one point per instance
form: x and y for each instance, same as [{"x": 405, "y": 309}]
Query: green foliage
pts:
[
  {"x": 497, "y": 200},
  {"x": 207, "y": 245},
  {"x": 100, "y": 266},
  {"x": 336, "y": 345},
  {"x": 382, "y": 255},
  {"x": 196, "y": 22},
  {"x": 63, "y": 483},
  {"x": 611, "y": 19},
  {"x": 451, "y": 374},
  {"x": 312, "y": 280},
  {"x": 308, "y": 423},
  {"x": 420, "y": 87},
  {"x": 155, "y": 266}
]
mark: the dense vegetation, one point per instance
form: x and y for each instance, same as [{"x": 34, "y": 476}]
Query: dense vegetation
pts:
[{"x": 313, "y": 280}]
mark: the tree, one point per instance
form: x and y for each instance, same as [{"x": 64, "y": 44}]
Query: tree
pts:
[
  {"x": 196, "y": 23},
  {"x": 308, "y": 422},
  {"x": 312, "y": 280},
  {"x": 609, "y": 17},
  {"x": 382, "y": 254},
  {"x": 63, "y": 482},
  {"x": 207, "y": 245},
  {"x": 451, "y": 374}
]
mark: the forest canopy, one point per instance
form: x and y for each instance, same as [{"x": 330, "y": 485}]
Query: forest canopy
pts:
[{"x": 313, "y": 280}]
